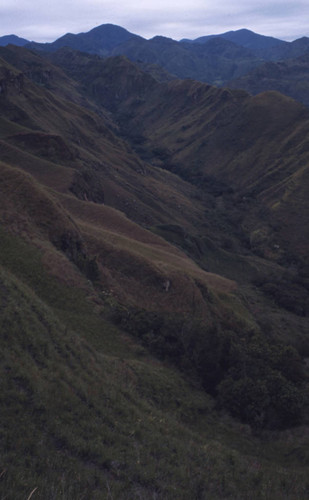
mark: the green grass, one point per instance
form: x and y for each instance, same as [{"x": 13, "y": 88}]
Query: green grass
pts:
[
  {"x": 70, "y": 304},
  {"x": 80, "y": 420},
  {"x": 8, "y": 127}
]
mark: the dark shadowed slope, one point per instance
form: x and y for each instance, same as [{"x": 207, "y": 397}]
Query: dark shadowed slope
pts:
[{"x": 290, "y": 77}]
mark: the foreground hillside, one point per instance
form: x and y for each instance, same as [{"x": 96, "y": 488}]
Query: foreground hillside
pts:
[
  {"x": 87, "y": 414},
  {"x": 153, "y": 336}
]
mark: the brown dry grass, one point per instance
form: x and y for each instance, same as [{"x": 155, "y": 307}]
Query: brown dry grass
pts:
[
  {"x": 46, "y": 172},
  {"x": 141, "y": 270},
  {"x": 257, "y": 145},
  {"x": 109, "y": 225},
  {"x": 28, "y": 209},
  {"x": 113, "y": 221},
  {"x": 135, "y": 264}
]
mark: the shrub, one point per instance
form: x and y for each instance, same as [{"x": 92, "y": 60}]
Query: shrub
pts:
[{"x": 258, "y": 382}]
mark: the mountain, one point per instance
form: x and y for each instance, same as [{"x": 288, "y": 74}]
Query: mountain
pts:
[
  {"x": 218, "y": 61},
  {"x": 243, "y": 37},
  {"x": 14, "y": 40},
  {"x": 215, "y": 62},
  {"x": 264, "y": 47},
  {"x": 153, "y": 284},
  {"x": 205, "y": 118},
  {"x": 211, "y": 62},
  {"x": 290, "y": 77},
  {"x": 99, "y": 40},
  {"x": 215, "y": 59},
  {"x": 288, "y": 50}
]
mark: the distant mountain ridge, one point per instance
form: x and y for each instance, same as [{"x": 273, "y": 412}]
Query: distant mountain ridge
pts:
[
  {"x": 215, "y": 59},
  {"x": 100, "y": 40},
  {"x": 290, "y": 77},
  {"x": 243, "y": 37},
  {"x": 12, "y": 39},
  {"x": 212, "y": 62}
]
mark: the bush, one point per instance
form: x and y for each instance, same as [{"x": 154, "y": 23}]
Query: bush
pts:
[
  {"x": 258, "y": 382},
  {"x": 271, "y": 401},
  {"x": 264, "y": 384}
]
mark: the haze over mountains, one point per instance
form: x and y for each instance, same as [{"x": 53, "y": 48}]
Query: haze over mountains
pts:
[
  {"x": 154, "y": 274},
  {"x": 223, "y": 60}
]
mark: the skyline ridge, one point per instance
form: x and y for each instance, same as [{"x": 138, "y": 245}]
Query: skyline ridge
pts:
[{"x": 193, "y": 38}]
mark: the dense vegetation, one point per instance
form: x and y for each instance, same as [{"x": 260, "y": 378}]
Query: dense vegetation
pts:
[{"x": 256, "y": 380}]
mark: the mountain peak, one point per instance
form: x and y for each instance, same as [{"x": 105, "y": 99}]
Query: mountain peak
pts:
[
  {"x": 160, "y": 38},
  {"x": 12, "y": 40},
  {"x": 244, "y": 37},
  {"x": 100, "y": 40}
]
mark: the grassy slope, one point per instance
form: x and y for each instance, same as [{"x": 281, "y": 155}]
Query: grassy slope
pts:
[
  {"x": 46, "y": 128},
  {"x": 245, "y": 235},
  {"x": 80, "y": 421},
  {"x": 263, "y": 146},
  {"x": 146, "y": 194},
  {"x": 182, "y": 126},
  {"x": 87, "y": 412}
]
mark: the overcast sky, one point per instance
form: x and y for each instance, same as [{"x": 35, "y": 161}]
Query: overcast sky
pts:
[{"x": 46, "y": 21}]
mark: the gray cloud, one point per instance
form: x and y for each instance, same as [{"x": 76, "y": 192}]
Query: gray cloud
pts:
[{"x": 40, "y": 21}]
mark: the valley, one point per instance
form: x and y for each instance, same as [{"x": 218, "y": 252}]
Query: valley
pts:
[{"x": 154, "y": 281}]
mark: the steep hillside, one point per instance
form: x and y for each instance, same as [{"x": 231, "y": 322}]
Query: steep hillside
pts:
[
  {"x": 253, "y": 189},
  {"x": 87, "y": 414},
  {"x": 86, "y": 159},
  {"x": 265, "y": 153},
  {"x": 289, "y": 77},
  {"x": 153, "y": 337},
  {"x": 81, "y": 143},
  {"x": 182, "y": 125}
]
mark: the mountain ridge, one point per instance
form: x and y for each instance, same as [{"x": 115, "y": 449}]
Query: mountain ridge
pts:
[
  {"x": 219, "y": 59},
  {"x": 288, "y": 77},
  {"x": 99, "y": 40},
  {"x": 13, "y": 39},
  {"x": 244, "y": 37}
]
